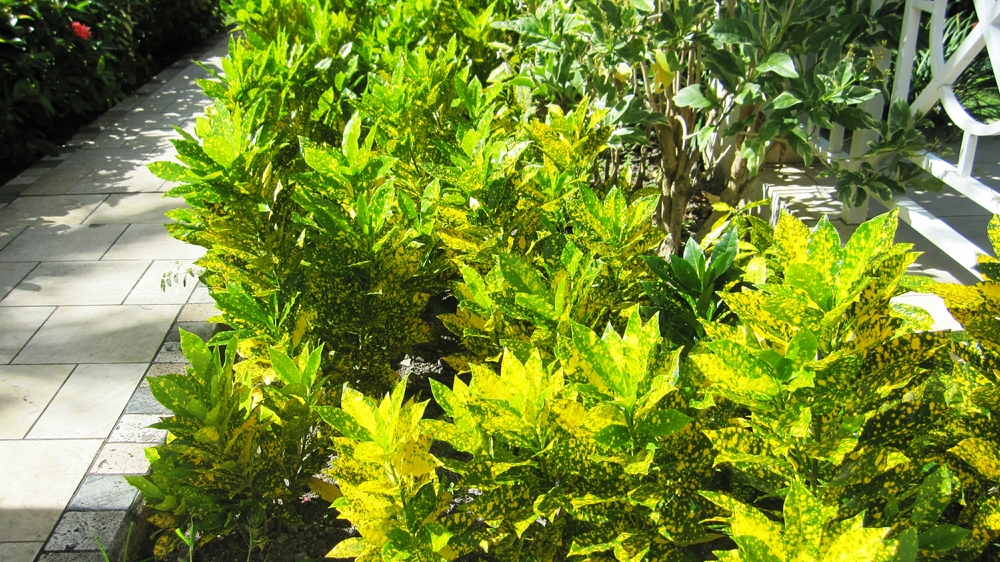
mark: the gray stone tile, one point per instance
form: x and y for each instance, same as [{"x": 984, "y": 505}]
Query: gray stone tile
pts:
[
  {"x": 100, "y": 334},
  {"x": 134, "y": 428},
  {"x": 19, "y": 324},
  {"x": 132, "y": 180},
  {"x": 77, "y": 283},
  {"x": 170, "y": 352},
  {"x": 19, "y": 551},
  {"x": 49, "y": 209},
  {"x": 122, "y": 458},
  {"x": 9, "y": 231},
  {"x": 37, "y": 480},
  {"x": 25, "y": 391},
  {"x": 151, "y": 241},
  {"x": 204, "y": 330},
  {"x": 89, "y": 403},
  {"x": 135, "y": 208},
  {"x": 151, "y": 290},
  {"x": 57, "y": 182},
  {"x": 106, "y": 159},
  {"x": 11, "y": 274},
  {"x": 80, "y": 530},
  {"x": 160, "y": 369},
  {"x": 59, "y": 242},
  {"x": 103, "y": 492},
  {"x": 143, "y": 402},
  {"x": 200, "y": 295},
  {"x": 198, "y": 312}
]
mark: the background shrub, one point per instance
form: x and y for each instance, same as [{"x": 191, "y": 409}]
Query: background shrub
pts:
[{"x": 52, "y": 79}]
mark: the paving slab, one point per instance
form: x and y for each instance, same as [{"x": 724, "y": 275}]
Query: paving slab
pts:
[
  {"x": 104, "y": 492},
  {"x": 99, "y": 334},
  {"x": 60, "y": 242},
  {"x": 81, "y": 530},
  {"x": 57, "y": 182},
  {"x": 19, "y": 324},
  {"x": 25, "y": 392},
  {"x": 77, "y": 283},
  {"x": 135, "y": 208},
  {"x": 50, "y": 209},
  {"x": 134, "y": 428},
  {"x": 12, "y": 274},
  {"x": 71, "y": 414},
  {"x": 19, "y": 551},
  {"x": 152, "y": 288},
  {"x": 37, "y": 480},
  {"x": 121, "y": 458},
  {"x": 150, "y": 241}
]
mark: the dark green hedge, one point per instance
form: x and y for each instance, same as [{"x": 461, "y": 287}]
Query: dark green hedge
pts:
[{"x": 54, "y": 74}]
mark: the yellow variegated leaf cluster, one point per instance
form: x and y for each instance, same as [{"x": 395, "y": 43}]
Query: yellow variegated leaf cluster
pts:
[
  {"x": 569, "y": 453},
  {"x": 387, "y": 475}
]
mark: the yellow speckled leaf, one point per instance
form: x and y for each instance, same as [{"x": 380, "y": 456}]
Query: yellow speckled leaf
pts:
[{"x": 981, "y": 455}]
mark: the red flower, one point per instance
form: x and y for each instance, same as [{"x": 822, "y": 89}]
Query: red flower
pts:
[{"x": 81, "y": 31}]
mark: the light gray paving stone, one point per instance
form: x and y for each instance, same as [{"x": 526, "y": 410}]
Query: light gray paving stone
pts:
[
  {"x": 121, "y": 458},
  {"x": 200, "y": 295},
  {"x": 19, "y": 551},
  {"x": 22, "y": 180},
  {"x": 11, "y": 274},
  {"x": 19, "y": 324},
  {"x": 77, "y": 283},
  {"x": 197, "y": 312},
  {"x": 37, "y": 480},
  {"x": 136, "y": 179},
  {"x": 135, "y": 208},
  {"x": 134, "y": 428},
  {"x": 106, "y": 159},
  {"x": 100, "y": 334},
  {"x": 57, "y": 182},
  {"x": 103, "y": 492},
  {"x": 143, "y": 402},
  {"x": 204, "y": 330},
  {"x": 170, "y": 352},
  {"x": 160, "y": 369},
  {"x": 59, "y": 242},
  {"x": 80, "y": 530},
  {"x": 151, "y": 290},
  {"x": 25, "y": 391},
  {"x": 49, "y": 209},
  {"x": 151, "y": 241},
  {"x": 89, "y": 403},
  {"x": 9, "y": 232}
]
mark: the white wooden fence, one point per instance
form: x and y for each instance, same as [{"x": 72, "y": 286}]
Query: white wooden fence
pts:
[{"x": 944, "y": 74}]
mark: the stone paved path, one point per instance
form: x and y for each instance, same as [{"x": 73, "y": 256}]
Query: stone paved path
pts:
[{"x": 83, "y": 321}]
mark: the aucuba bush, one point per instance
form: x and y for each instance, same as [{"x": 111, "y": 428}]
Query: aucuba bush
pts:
[{"x": 761, "y": 396}]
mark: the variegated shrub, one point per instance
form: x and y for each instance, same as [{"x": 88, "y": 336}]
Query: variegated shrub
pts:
[
  {"x": 237, "y": 448},
  {"x": 588, "y": 455}
]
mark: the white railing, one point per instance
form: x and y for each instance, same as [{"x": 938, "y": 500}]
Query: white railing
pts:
[{"x": 944, "y": 73}]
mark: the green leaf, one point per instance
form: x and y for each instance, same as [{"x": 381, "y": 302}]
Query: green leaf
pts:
[
  {"x": 942, "y": 537},
  {"x": 284, "y": 367},
  {"x": 644, "y": 5},
  {"x": 785, "y": 100},
  {"x": 197, "y": 353},
  {"x": 343, "y": 422},
  {"x": 732, "y": 30},
  {"x": 171, "y": 171},
  {"x": 420, "y": 506},
  {"x": 521, "y": 275},
  {"x": 691, "y": 96},
  {"x": 780, "y": 64},
  {"x": 148, "y": 489},
  {"x": 662, "y": 423},
  {"x": 221, "y": 150}
]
